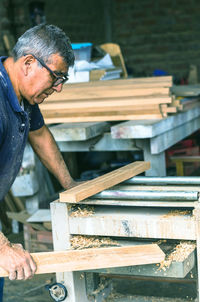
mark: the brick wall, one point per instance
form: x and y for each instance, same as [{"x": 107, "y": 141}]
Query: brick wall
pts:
[
  {"x": 159, "y": 34},
  {"x": 81, "y": 20},
  {"x": 5, "y": 23}
]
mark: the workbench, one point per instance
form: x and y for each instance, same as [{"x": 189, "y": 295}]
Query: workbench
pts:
[
  {"x": 172, "y": 218},
  {"x": 153, "y": 137}
]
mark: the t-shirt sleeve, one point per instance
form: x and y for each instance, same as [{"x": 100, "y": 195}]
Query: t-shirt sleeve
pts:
[{"x": 36, "y": 118}]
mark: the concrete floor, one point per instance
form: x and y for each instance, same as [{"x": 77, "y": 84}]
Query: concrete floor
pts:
[{"x": 32, "y": 290}]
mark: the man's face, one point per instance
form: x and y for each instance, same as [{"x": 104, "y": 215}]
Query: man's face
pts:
[{"x": 40, "y": 82}]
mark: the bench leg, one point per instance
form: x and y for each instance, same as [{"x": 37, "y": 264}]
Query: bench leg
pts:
[{"x": 73, "y": 281}]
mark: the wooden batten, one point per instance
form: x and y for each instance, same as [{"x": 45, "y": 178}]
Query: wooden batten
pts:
[{"x": 103, "y": 182}]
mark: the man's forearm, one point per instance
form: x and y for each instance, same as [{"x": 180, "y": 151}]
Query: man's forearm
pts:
[{"x": 46, "y": 148}]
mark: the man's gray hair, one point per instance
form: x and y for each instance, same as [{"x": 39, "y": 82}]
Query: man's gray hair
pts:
[{"x": 42, "y": 41}]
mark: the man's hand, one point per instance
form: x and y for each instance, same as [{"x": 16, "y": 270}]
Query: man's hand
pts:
[
  {"x": 73, "y": 184},
  {"x": 17, "y": 262}
]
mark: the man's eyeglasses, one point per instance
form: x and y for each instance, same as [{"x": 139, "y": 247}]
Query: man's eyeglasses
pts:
[{"x": 58, "y": 79}]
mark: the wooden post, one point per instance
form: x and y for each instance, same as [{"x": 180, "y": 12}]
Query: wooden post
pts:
[
  {"x": 158, "y": 164},
  {"x": 73, "y": 281}
]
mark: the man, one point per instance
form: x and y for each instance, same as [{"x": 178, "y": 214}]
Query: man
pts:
[{"x": 38, "y": 67}]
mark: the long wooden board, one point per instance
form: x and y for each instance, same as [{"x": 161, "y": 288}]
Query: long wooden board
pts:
[
  {"x": 164, "y": 81},
  {"x": 153, "y": 109},
  {"x": 106, "y": 102},
  {"x": 103, "y": 182},
  {"x": 150, "y": 109},
  {"x": 107, "y": 93},
  {"x": 95, "y": 258},
  {"x": 104, "y": 118}
]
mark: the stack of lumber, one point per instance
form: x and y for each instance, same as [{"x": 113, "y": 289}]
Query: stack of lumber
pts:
[{"x": 123, "y": 99}]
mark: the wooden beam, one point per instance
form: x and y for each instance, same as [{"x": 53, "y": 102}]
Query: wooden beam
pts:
[
  {"x": 95, "y": 258},
  {"x": 103, "y": 182}
]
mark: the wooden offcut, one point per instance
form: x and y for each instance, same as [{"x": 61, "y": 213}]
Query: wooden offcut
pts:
[
  {"x": 103, "y": 182},
  {"x": 95, "y": 258}
]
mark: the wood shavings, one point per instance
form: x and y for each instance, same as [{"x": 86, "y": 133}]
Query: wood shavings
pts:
[
  {"x": 102, "y": 285},
  {"x": 114, "y": 296},
  {"x": 81, "y": 211},
  {"x": 84, "y": 242},
  {"x": 178, "y": 213},
  {"x": 179, "y": 254}
]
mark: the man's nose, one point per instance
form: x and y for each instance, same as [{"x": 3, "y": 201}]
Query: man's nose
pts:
[{"x": 58, "y": 88}]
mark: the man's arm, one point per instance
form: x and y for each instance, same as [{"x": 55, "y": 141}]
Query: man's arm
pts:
[{"x": 43, "y": 143}]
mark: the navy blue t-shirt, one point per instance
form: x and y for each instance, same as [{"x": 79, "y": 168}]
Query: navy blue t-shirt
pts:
[{"x": 15, "y": 124}]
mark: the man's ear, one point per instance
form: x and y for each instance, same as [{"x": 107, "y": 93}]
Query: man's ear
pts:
[{"x": 27, "y": 64}]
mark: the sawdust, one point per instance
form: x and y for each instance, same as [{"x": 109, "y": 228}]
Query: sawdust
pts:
[
  {"x": 101, "y": 286},
  {"x": 178, "y": 213},
  {"x": 81, "y": 210},
  {"x": 84, "y": 242},
  {"x": 113, "y": 296},
  {"x": 179, "y": 254}
]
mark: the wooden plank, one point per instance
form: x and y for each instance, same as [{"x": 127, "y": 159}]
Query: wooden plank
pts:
[
  {"x": 166, "y": 109},
  {"x": 115, "y": 112},
  {"x": 120, "y": 84},
  {"x": 107, "y": 93},
  {"x": 100, "y": 118},
  {"x": 95, "y": 258},
  {"x": 63, "y": 117},
  {"x": 103, "y": 182},
  {"x": 178, "y": 268},
  {"x": 164, "y": 80},
  {"x": 102, "y": 110},
  {"x": 106, "y": 102},
  {"x": 55, "y": 112}
]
